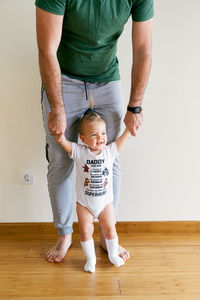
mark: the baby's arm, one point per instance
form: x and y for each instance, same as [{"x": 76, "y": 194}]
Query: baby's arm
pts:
[
  {"x": 67, "y": 145},
  {"x": 123, "y": 139}
]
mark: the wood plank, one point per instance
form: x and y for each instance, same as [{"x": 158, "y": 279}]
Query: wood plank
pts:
[
  {"x": 165, "y": 284},
  {"x": 132, "y": 297},
  {"x": 55, "y": 284}
]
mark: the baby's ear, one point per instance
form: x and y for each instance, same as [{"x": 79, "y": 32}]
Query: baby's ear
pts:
[{"x": 82, "y": 138}]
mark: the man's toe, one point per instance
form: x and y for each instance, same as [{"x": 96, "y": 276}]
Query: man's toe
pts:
[{"x": 58, "y": 258}]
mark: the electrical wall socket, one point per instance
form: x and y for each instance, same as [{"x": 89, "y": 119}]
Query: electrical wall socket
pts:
[{"x": 27, "y": 177}]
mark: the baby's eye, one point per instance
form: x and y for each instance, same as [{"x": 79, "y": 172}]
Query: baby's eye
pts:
[
  {"x": 103, "y": 133},
  {"x": 94, "y": 134}
]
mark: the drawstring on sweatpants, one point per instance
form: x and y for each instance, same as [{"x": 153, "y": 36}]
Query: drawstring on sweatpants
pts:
[{"x": 86, "y": 93}]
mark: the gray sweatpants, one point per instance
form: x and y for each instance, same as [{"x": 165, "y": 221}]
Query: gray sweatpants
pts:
[{"x": 108, "y": 102}]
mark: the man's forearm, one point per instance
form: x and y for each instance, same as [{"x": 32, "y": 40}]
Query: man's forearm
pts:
[
  {"x": 51, "y": 77},
  {"x": 139, "y": 77}
]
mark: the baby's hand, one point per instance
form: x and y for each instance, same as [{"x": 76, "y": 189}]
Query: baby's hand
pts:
[
  {"x": 60, "y": 139},
  {"x": 67, "y": 145}
]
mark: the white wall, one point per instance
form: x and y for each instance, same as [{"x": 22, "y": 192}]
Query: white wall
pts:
[{"x": 160, "y": 167}]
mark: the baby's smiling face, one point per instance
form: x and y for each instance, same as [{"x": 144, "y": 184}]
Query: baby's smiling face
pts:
[{"x": 94, "y": 135}]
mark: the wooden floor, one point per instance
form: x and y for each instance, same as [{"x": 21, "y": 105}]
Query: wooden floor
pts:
[{"x": 163, "y": 266}]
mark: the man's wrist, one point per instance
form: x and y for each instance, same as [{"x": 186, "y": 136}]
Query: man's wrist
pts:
[
  {"x": 58, "y": 109},
  {"x": 135, "y": 101}
]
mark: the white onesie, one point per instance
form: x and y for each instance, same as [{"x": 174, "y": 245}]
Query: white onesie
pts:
[{"x": 94, "y": 183}]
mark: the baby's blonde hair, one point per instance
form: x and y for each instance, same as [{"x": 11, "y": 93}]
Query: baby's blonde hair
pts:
[{"x": 89, "y": 117}]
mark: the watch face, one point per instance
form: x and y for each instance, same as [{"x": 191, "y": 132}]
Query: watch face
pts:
[{"x": 137, "y": 110}]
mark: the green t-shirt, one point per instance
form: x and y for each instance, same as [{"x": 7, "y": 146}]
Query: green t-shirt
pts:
[{"x": 91, "y": 28}]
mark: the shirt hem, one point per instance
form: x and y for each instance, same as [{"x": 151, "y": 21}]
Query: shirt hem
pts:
[
  {"x": 143, "y": 19},
  {"x": 89, "y": 79},
  {"x": 53, "y": 11}
]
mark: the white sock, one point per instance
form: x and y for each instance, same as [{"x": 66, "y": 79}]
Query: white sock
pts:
[
  {"x": 112, "y": 247},
  {"x": 89, "y": 251}
]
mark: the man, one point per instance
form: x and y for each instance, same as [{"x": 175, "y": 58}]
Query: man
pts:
[{"x": 77, "y": 42}]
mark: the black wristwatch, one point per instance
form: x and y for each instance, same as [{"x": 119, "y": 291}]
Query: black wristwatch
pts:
[{"x": 135, "y": 109}]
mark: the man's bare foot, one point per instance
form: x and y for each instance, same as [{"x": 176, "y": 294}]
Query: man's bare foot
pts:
[
  {"x": 122, "y": 252},
  {"x": 59, "y": 250}
]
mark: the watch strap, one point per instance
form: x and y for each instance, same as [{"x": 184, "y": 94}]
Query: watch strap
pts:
[{"x": 135, "y": 109}]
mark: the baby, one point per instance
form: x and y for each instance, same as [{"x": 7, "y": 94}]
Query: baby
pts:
[{"x": 94, "y": 163}]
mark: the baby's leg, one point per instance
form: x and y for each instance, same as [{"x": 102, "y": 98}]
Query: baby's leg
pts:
[
  {"x": 86, "y": 228},
  {"x": 107, "y": 223}
]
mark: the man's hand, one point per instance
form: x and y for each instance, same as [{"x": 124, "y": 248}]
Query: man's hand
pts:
[
  {"x": 57, "y": 123},
  {"x": 133, "y": 121}
]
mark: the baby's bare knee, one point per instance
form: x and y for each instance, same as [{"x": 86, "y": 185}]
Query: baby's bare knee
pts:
[
  {"x": 86, "y": 233},
  {"x": 109, "y": 232}
]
